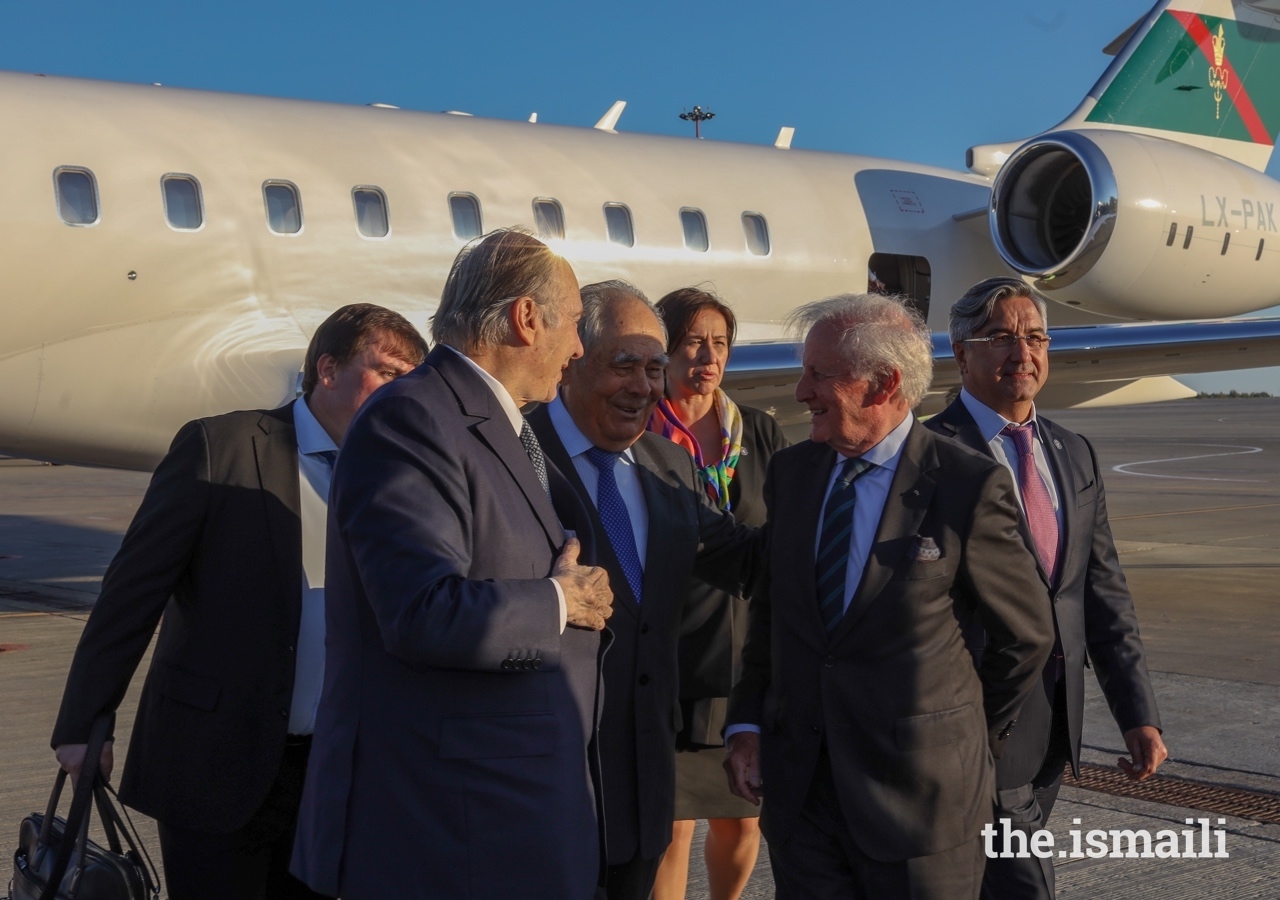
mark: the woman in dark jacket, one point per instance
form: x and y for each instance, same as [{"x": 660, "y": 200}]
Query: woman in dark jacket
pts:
[{"x": 731, "y": 445}]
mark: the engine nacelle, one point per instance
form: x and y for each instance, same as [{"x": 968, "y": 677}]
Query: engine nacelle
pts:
[{"x": 1138, "y": 227}]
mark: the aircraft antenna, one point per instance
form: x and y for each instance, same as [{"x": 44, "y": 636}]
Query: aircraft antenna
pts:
[{"x": 697, "y": 116}]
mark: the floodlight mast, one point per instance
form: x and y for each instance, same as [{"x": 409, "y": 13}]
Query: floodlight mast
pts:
[{"x": 697, "y": 116}]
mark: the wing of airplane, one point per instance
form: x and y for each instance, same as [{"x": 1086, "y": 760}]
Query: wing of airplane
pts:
[{"x": 1086, "y": 364}]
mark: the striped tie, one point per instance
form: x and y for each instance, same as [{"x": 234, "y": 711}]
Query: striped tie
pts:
[
  {"x": 534, "y": 449},
  {"x": 833, "y": 548}
]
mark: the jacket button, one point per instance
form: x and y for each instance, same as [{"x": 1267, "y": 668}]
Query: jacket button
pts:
[
  {"x": 816, "y": 729},
  {"x": 506, "y": 664},
  {"x": 644, "y": 679},
  {"x": 644, "y": 629},
  {"x": 284, "y": 713},
  {"x": 537, "y": 663},
  {"x": 829, "y": 661}
]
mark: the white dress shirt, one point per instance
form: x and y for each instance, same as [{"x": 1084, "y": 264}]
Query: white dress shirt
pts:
[
  {"x": 872, "y": 490},
  {"x": 991, "y": 424},
  {"x": 512, "y": 412},
  {"x": 314, "y": 475},
  {"x": 576, "y": 444}
]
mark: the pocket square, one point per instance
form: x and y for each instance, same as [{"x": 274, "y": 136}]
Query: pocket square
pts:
[{"x": 925, "y": 550}]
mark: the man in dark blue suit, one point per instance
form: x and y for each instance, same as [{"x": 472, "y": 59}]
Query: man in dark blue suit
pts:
[
  {"x": 1001, "y": 346},
  {"x": 461, "y": 689}
]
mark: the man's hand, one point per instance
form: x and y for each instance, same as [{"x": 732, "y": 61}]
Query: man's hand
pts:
[
  {"x": 588, "y": 599},
  {"x": 743, "y": 765},
  {"x": 1147, "y": 749},
  {"x": 71, "y": 758}
]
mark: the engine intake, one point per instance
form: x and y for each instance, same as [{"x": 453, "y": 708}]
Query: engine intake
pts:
[{"x": 1053, "y": 207}]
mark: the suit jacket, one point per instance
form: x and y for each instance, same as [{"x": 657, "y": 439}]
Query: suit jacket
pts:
[
  {"x": 908, "y": 723},
  {"x": 216, "y": 548},
  {"x": 1092, "y": 608},
  {"x": 641, "y": 710},
  {"x": 450, "y": 754}
]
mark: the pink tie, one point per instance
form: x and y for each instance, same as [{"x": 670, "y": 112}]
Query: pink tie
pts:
[{"x": 1036, "y": 502}]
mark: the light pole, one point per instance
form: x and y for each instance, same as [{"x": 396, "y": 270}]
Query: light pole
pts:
[{"x": 697, "y": 116}]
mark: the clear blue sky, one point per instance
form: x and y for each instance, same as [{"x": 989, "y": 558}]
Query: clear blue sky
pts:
[{"x": 917, "y": 81}]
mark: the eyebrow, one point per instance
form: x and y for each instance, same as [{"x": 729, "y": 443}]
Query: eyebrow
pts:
[{"x": 623, "y": 358}]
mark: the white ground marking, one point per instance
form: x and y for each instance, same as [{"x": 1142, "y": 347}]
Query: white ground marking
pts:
[{"x": 1236, "y": 450}]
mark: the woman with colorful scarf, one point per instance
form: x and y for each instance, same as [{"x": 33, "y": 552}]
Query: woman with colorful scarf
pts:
[{"x": 731, "y": 446}]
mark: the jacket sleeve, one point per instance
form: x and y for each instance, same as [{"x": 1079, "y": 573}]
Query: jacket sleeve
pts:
[
  {"x": 746, "y": 700},
  {"x": 1111, "y": 625},
  {"x": 153, "y": 558},
  {"x": 1012, "y": 603},
  {"x": 402, "y": 510}
]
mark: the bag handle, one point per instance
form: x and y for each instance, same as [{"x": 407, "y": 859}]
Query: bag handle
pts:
[
  {"x": 77, "y": 819},
  {"x": 112, "y": 823}
]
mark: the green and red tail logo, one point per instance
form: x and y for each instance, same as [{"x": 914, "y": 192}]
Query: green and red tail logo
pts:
[{"x": 1198, "y": 74}]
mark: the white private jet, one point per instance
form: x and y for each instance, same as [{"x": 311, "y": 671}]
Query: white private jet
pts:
[{"x": 166, "y": 253}]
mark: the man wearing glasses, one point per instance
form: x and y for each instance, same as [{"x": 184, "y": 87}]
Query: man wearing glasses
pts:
[{"x": 1001, "y": 346}]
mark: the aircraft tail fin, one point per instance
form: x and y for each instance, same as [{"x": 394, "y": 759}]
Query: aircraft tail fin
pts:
[{"x": 1200, "y": 72}]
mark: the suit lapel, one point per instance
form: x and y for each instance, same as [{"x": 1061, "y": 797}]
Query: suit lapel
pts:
[
  {"x": 661, "y": 504},
  {"x": 275, "y": 451},
  {"x": 904, "y": 510},
  {"x": 801, "y": 534},
  {"x": 493, "y": 429},
  {"x": 1063, "y": 473}
]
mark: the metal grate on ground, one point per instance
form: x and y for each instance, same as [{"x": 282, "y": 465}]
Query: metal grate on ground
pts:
[{"x": 1211, "y": 798}]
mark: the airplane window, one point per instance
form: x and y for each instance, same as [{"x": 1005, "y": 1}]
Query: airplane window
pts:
[
  {"x": 465, "y": 210},
  {"x": 284, "y": 211},
  {"x": 757, "y": 232},
  {"x": 548, "y": 218},
  {"x": 182, "y": 202},
  {"x": 617, "y": 220},
  {"x": 371, "y": 211},
  {"x": 77, "y": 196},
  {"x": 695, "y": 229}
]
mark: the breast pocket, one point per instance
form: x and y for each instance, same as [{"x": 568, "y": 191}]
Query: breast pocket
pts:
[{"x": 1087, "y": 495}]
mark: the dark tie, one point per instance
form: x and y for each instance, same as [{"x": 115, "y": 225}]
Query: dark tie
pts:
[
  {"x": 329, "y": 456},
  {"x": 614, "y": 517},
  {"x": 833, "y": 547},
  {"x": 534, "y": 449},
  {"x": 1036, "y": 503}
]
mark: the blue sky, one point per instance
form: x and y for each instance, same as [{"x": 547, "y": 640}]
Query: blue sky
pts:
[{"x": 920, "y": 81}]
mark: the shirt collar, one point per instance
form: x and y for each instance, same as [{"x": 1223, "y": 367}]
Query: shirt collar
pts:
[
  {"x": 575, "y": 442},
  {"x": 991, "y": 423},
  {"x": 887, "y": 453},
  {"x": 312, "y": 438},
  {"x": 505, "y": 400}
]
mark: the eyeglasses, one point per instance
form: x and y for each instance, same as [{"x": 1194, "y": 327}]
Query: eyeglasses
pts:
[{"x": 1009, "y": 341}]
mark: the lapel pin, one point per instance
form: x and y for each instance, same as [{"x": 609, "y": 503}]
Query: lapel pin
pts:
[{"x": 1057, "y": 443}]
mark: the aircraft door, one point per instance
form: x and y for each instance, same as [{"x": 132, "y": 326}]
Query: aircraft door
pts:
[{"x": 907, "y": 276}]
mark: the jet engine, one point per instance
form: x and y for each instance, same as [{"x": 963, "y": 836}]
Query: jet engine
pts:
[{"x": 1137, "y": 227}]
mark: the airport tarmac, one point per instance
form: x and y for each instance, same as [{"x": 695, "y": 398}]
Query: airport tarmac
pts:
[{"x": 1193, "y": 489}]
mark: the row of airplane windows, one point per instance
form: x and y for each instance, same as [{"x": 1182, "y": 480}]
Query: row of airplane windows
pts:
[{"x": 77, "y": 196}]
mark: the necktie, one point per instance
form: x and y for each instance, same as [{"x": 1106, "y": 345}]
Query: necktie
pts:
[
  {"x": 329, "y": 456},
  {"x": 833, "y": 547},
  {"x": 614, "y": 517},
  {"x": 534, "y": 449},
  {"x": 1036, "y": 503}
]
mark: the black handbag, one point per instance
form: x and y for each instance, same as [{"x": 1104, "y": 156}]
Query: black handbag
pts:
[{"x": 55, "y": 859}]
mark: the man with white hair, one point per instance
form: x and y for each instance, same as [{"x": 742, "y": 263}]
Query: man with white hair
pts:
[{"x": 860, "y": 712}]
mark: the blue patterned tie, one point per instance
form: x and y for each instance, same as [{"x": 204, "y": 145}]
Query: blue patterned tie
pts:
[
  {"x": 614, "y": 517},
  {"x": 833, "y": 548}
]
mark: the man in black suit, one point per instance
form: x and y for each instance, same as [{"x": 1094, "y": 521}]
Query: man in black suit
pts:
[
  {"x": 860, "y": 714},
  {"x": 1001, "y": 346},
  {"x": 461, "y": 680},
  {"x": 654, "y": 526},
  {"x": 228, "y": 546}
]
